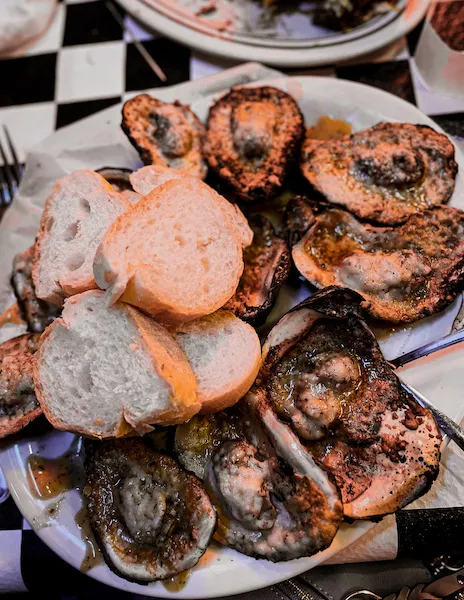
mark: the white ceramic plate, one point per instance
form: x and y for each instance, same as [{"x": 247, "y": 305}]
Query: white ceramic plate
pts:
[
  {"x": 294, "y": 42},
  {"x": 96, "y": 142}
]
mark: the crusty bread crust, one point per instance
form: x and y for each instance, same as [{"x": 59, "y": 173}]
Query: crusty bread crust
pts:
[
  {"x": 168, "y": 361},
  {"x": 68, "y": 283},
  {"x": 218, "y": 394},
  {"x": 133, "y": 278}
]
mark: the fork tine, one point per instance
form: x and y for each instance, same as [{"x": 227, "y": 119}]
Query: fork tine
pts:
[
  {"x": 16, "y": 163},
  {"x": 7, "y": 172}
]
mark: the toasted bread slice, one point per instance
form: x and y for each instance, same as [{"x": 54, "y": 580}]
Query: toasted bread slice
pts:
[
  {"x": 225, "y": 354},
  {"x": 110, "y": 371},
  {"x": 18, "y": 403},
  {"x": 77, "y": 213},
  {"x": 177, "y": 254},
  {"x": 146, "y": 179}
]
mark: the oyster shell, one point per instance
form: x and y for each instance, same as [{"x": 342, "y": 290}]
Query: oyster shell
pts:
[
  {"x": 165, "y": 134},
  {"x": 37, "y": 313},
  {"x": 151, "y": 519},
  {"x": 18, "y": 403},
  {"x": 384, "y": 174},
  {"x": 324, "y": 375},
  {"x": 267, "y": 265},
  {"x": 253, "y": 138},
  {"x": 403, "y": 273},
  {"x": 273, "y": 500},
  {"x": 119, "y": 178}
]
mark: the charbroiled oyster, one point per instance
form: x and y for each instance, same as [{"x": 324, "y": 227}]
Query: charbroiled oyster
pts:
[
  {"x": 385, "y": 173},
  {"x": 267, "y": 265},
  {"x": 273, "y": 500},
  {"x": 403, "y": 273},
  {"x": 164, "y": 134},
  {"x": 324, "y": 374},
  {"x": 37, "y": 313},
  {"x": 120, "y": 180},
  {"x": 151, "y": 518},
  {"x": 253, "y": 138},
  {"x": 18, "y": 403},
  {"x": 197, "y": 439}
]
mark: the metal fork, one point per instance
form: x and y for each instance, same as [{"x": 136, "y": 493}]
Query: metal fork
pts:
[{"x": 10, "y": 171}]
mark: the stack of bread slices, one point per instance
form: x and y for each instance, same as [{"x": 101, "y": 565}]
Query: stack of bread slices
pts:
[{"x": 142, "y": 339}]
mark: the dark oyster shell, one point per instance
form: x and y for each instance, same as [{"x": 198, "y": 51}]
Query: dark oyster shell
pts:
[
  {"x": 37, "y": 313},
  {"x": 258, "y": 473},
  {"x": 267, "y": 265},
  {"x": 253, "y": 138},
  {"x": 324, "y": 374},
  {"x": 151, "y": 518},
  {"x": 118, "y": 177},
  {"x": 120, "y": 180},
  {"x": 18, "y": 403},
  {"x": 403, "y": 273},
  {"x": 165, "y": 134},
  {"x": 384, "y": 174}
]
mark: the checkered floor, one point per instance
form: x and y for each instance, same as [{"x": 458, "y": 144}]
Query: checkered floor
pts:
[{"x": 84, "y": 64}]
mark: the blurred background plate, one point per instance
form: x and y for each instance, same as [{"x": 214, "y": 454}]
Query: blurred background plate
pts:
[{"x": 248, "y": 30}]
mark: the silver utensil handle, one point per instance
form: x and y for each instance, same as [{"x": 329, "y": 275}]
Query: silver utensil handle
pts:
[
  {"x": 447, "y": 425},
  {"x": 441, "y": 344}
]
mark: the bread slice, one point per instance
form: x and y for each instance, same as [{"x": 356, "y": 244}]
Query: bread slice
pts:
[
  {"x": 146, "y": 179},
  {"x": 110, "y": 371},
  {"x": 225, "y": 354},
  {"x": 177, "y": 254},
  {"x": 77, "y": 213}
]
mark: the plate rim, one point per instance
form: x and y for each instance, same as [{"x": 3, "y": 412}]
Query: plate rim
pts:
[
  {"x": 7, "y": 454},
  {"x": 317, "y": 55}
]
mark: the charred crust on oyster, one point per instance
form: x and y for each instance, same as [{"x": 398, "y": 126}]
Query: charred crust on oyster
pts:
[
  {"x": 324, "y": 375},
  {"x": 165, "y": 134},
  {"x": 267, "y": 265},
  {"x": 37, "y": 313},
  {"x": 383, "y": 174},
  {"x": 18, "y": 403},
  {"x": 253, "y": 138},
  {"x": 151, "y": 518},
  {"x": 403, "y": 273}
]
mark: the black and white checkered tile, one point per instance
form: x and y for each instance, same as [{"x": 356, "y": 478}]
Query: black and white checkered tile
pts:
[{"x": 84, "y": 64}]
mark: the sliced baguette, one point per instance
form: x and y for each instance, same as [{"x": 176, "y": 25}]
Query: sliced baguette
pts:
[
  {"x": 225, "y": 354},
  {"x": 177, "y": 254},
  {"x": 146, "y": 179},
  {"x": 110, "y": 371},
  {"x": 77, "y": 213}
]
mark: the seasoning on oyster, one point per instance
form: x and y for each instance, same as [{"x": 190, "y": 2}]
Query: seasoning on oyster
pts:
[
  {"x": 165, "y": 134},
  {"x": 267, "y": 265},
  {"x": 324, "y": 374},
  {"x": 198, "y": 438},
  {"x": 403, "y": 273},
  {"x": 253, "y": 139},
  {"x": 384, "y": 174},
  {"x": 273, "y": 500},
  {"x": 18, "y": 403},
  {"x": 119, "y": 178},
  {"x": 151, "y": 518},
  {"x": 37, "y": 313}
]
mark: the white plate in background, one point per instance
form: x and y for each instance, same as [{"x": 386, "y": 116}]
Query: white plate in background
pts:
[{"x": 306, "y": 45}]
